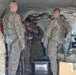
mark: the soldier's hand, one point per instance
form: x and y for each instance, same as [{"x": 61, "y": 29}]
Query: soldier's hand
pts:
[
  {"x": 61, "y": 56},
  {"x": 23, "y": 46},
  {"x": 29, "y": 28},
  {"x": 45, "y": 45},
  {"x": 26, "y": 37}
]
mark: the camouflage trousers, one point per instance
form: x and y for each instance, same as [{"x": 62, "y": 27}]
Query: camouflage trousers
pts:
[
  {"x": 52, "y": 54},
  {"x": 2, "y": 63},
  {"x": 36, "y": 50},
  {"x": 14, "y": 58},
  {"x": 26, "y": 55},
  {"x": 2, "y": 57}
]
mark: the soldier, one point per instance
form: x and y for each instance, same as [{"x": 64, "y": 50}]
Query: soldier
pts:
[
  {"x": 26, "y": 51},
  {"x": 40, "y": 31},
  {"x": 2, "y": 55},
  {"x": 54, "y": 38},
  {"x": 14, "y": 37},
  {"x": 68, "y": 30},
  {"x": 36, "y": 50}
]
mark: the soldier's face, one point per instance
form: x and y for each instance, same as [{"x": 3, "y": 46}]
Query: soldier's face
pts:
[
  {"x": 62, "y": 18},
  {"x": 27, "y": 23},
  {"x": 13, "y": 6},
  {"x": 16, "y": 7},
  {"x": 35, "y": 22},
  {"x": 56, "y": 14}
]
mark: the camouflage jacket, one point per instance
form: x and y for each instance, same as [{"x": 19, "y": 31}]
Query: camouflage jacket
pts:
[
  {"x": 32, "y": 33},
  {"x": 2, "y": 44},
  {"x": 13, "y": 27},
  {"x": 54, "y": 32},
  {"x": 40, "y": 33},
  {"x": 67, "y": 27}
]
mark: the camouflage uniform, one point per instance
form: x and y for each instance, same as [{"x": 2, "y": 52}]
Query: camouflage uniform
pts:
[
  {"x": 14, "y": 36},
  {"x": 40, "y": 33},
  {"x": 54, "y": 38},
  {"x": 36, "y": 48},
  {"x": 26, "y": 52},
  {"x": 2, "y": 55},
  {"x": 30, "y": 51}
]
